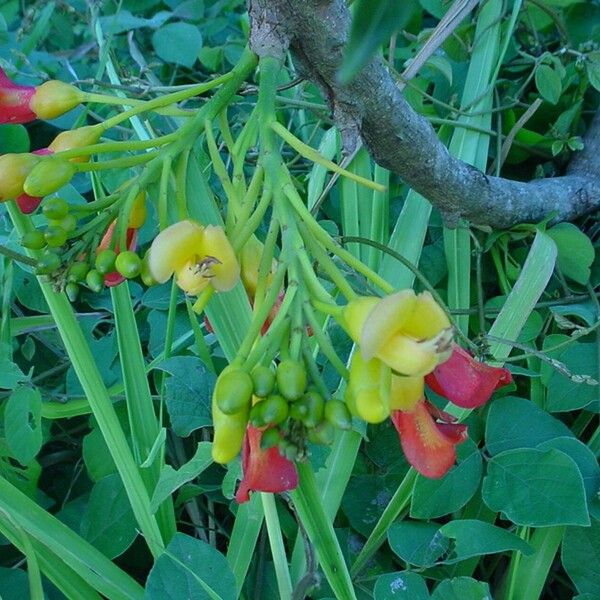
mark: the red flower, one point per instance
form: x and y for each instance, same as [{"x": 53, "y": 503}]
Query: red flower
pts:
[
  {"x": 465, "y": 381},
  {"x": 26, "y": 203},
  {"x": 264, "y": 470},
  {"x": 429, "y": 446},
  {"x": 14, "y": 101},
  {"x": 114, "y": 278}
]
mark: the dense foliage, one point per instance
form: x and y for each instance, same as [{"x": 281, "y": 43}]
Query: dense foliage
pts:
[{"x": 118, "y": 479}]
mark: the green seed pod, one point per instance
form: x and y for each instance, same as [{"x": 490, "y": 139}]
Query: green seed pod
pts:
[
  {"x": 55, "y": 209},
  {"x": 263, "y": 379},
  {"x": 77, "y": 272},
  {"x": 128, "y": 264},
  {"x": 314, "y": 403},
  {"x": 322, "y": 434},
  {"x": 233, "y": 391},
  {"x": 291, "y": 379},
  {"x": 270, "y": 438},
  {"x": 55, "y": 236},
  {"x": 337, "y": 413},
  {"x": 68, "y": 223},
  {"x": 105, "y": 261},
  {"x": 275, "y": 410},
  {"x": 288, "y": 450},
  {"x": 48, "y": 176},
  {"x": 72, "y": 291},
  {"x": 256, "y": 415},
  {"x": 48, "y": 263},
  {"x": 33, "y": 240},
  {"x": 94, "y": 280}
]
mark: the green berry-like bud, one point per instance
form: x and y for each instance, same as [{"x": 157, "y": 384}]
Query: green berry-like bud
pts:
[
  {"x": 105, "y": 261},
  {"x": 48, "y": 176},
  {"x": 77, "y": 272},
  {"x": 55, "y": 208},
  {"x": 55, "y": 236},
  {"x": 33, "y": 240},
  {"x": 48, "y": 263},
  {"x": 72, "y": 291},
  {"x": 264, "y": 381},
  {"x": 128, "y": 264},
  {"x": 270, "y": 438},
  {"x": 95, "y": 280},
  {"x": 291, "y": 379}
]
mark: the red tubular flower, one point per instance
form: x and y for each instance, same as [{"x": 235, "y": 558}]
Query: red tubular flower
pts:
[
  {"x": 26, "y": 203},
  {"x": 465, "y": 381},
  {"x": 264, "y": 470},
  {"x": 114, "y": 278},
  {"x": 14, "y": 101},
  {"x": 429, "y": 446}
]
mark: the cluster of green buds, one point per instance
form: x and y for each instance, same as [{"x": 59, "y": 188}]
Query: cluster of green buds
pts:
[{"x": 282, "y": 402}]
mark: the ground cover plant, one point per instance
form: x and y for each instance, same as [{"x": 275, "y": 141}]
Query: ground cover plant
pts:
[{"x": 299, "y": 300}]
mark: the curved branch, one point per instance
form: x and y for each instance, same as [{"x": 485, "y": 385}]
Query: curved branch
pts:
[{"x": 399, "y": 139}]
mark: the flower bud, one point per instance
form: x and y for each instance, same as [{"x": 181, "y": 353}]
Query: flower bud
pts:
[
  {"x": 54, "y": 98},
  {"x": 76, "y": 138},
  {"x": 14, "y": 169},
  {"x": 48, "y": 176}
]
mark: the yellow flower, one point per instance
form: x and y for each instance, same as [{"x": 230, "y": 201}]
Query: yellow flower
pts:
[
  {"x": 368, "y": 391},
  {"x": 406, "y": 392},
  {"x": 196, "y": 255},
  {"x": 410, "y": 333}
]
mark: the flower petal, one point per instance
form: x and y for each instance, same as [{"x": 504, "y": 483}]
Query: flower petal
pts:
[
  {"x": 355, "y": 314},
  {"x": 406, "y": 392},
  {"x": 264, "y": 470},
  {"x": 226, "y": 271},
  {"x": 407, "y": 356},
  {"x": 465, "y": 381},
  {"x": 14, "y": 101},
  {"x": 386, "y": 319},
  {"x": 27, "y": 204},
  {"x": 368, "y": 391},
  {"x": 427, "y": 320},
  {"x": 173, "y": 247},
  {"x": 429, "y": 447}
]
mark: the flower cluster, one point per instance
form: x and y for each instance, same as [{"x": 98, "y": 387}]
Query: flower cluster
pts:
[{"x": 405, "y": 341}]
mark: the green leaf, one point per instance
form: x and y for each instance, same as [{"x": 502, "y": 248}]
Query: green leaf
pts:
[
  {"x": 517, "y": 423},
  {"x": 581, "y": 556},
  {"x": 23, "y": 423},
  {"x": 586, "y": 462},
  {"x": 188, "y": 393},
  {"x": 575, "y": 251},
  {"x": 191, "y": 569},
  {"x": 402, "y": 585},
  {"x": 548, "y": 83},
  {"x": 171, "y": 479},
  {"x": 433, "y": 498},
  {"x": 10, "y": 374},
  {"x": 592, "y": 68},
  {"x": 178, "y": 43},
  {"x": 461, "y": 588},
  {"x": 97, "y": 458},
  {"x": 474, "y": 538},
  {"x": 13, "y": 583},
  {"x": 13, "y": 138},
  {"x": 418, "y": 543},
  {"x": 373, "y": 23},
  {"x": 109, "y": 523},
  {"x": 536, "y": 488}
]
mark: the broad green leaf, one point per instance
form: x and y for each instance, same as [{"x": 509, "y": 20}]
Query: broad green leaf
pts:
[
  {"x": 575, "y": 251},
  {"x": 109, "y": 523},
  {"x": 548, "y": 83},
  {"x": 123, "y": 20},
  {"x": 13, "y": 138},
  {"x": 97, "y": 458},
  {"x": 588, "y": 467},
  {"x": 474, "y": 538},
  {"x": 171, "y": 479},
  {"x": 517, "y": 423},
  {"x": 373, "y": 23},
  {"x": 188, "y": 393},
  {"x": 417, "y": 542},
  {"x": 402, "y": 585},
  {"x": 433, "y": 498},
  {"x": 592, "y": 68},
  {"x": 178, "y": 43},
  {"x": 461, "y": 588},
  {"x": 13, "y": 582},
  {"x": 191, "y": 569},
  {"x": 23, "y": 423},
  {"x": 565, "y": 394},
  {"x": 536, "y": 488},
  {"x": 581, "y": 556},
  {"x": 10, "y": 374}
]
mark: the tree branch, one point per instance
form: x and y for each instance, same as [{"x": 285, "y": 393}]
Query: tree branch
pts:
[{"x": 399, "y": 139}]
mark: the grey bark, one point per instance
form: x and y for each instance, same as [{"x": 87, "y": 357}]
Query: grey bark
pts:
[{"x": 399, "y": 139}]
